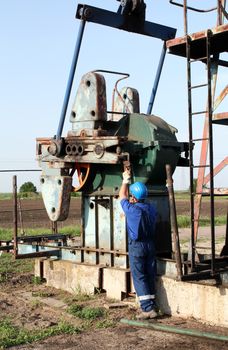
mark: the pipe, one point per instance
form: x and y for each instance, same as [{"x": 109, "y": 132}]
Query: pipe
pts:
[
  {"x": 211, "y": 152},
  {"x": 70, "y": 80},
  {"x": 157, "y": 78},
  {"x": 173, "y": 215},
  {"x": 185, "y": 18},
  {"x": 171, "y": 329},
  {"x": 15, "y": 216}
]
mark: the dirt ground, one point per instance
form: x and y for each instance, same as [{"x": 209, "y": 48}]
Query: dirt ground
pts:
[
  {"x": 40, "y": 307},
  {"x": 37, "y": 306}
]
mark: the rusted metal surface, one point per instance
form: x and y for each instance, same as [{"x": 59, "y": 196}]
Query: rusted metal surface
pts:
[
  {"x": 190, "y": 7},
  {"x": 174, "y": 225},
  {"x": 15, "y": 248},
  {"x": 39, "y": 254},
  {"x": 221, "y": 97},
  {"x": 221, "y": 12},
  {"x": 219, "y": 42},
  {"x": 81, "y": 149},
  {"x": 216, "y": 170},
  {"x": 211, "y": 150},
  {"x": 90, "y": 105},
  {"x": 56, "y": 191},
  {"x": 191, "y": 254},
  {"x": 220, "y": 118},
  {"x": 127, "y": 101}
]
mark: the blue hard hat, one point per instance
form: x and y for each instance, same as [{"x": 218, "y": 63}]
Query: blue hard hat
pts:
[{"x": 138, "y": 190}]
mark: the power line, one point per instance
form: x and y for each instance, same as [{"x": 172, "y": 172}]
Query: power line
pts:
[{"x": 17, "y": 170}]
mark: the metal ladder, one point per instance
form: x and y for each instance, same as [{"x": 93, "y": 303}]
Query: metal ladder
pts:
[
  {"x": 206, "y": 138},
  {"x": 212, "y": 62},
  {"x": 205, "y": 47}
]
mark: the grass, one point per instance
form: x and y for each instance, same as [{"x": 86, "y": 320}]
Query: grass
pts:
[
  {"x": 30, "y": 195},
  {"x": 105, "y": 324},
  {"x": 184, "y": 221},
  {"x": 87, "y": 313},
  {"x": 9, "y": 266},
  {"x": 7, "y": 234},
  {"x": 11, "y": 335}
]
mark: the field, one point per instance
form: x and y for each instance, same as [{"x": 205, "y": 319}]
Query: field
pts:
[
  {"x": 42, "y": 317},
  {"x": 34, "y": 214}
]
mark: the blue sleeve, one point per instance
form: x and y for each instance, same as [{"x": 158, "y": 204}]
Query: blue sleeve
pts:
[{"x": 133, "y": 217}]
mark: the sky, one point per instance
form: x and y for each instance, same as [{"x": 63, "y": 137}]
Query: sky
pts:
[{"x": 37, "y": 40}]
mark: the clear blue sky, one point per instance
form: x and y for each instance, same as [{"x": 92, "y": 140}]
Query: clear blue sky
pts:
[{"x": 37, "y": 41}]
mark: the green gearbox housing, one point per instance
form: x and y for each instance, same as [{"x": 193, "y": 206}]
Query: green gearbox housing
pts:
[{"x": 101, "y": 143}]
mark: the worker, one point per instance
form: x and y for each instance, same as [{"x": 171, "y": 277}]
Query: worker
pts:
[{"x": 140, "y": 219}]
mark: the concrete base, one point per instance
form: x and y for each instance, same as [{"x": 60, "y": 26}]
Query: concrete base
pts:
[
  {"x": 207, "y": 303},
  {"x": 115, "y": 282},
  {"x": 186, "y": 299},
  {"x": 69, "y": 276}
]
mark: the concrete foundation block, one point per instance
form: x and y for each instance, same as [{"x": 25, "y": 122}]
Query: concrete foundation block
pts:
[
  {"x": 116, "y": 282},
  {"x": 72, "y": 277},
  {"x": 186, "y": 299}
]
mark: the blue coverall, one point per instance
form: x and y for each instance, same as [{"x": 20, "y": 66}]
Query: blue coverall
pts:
[{"x": 141, "y": 219}]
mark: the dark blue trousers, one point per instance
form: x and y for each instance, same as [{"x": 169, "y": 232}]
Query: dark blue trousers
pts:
[{"x": 143, "y": 270}]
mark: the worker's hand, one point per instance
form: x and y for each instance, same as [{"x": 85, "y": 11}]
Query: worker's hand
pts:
[{"x": 126, "y": 177}]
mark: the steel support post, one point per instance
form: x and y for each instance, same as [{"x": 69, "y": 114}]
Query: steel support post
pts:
[
  {"x": 211, "y": 155},
  {"x": 15, "y": 248},
  {"x": 157, "y": 78},
  {"x": 70, "y": 80},
  {"x": 173, "y": 216}
]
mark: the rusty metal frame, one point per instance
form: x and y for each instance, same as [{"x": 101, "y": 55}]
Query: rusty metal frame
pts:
[
  {"x": 13, "y": 245},
  {"x": 211, "y": 58},
  {"x": 172, "y": 2},
  {"x": 216, "y": 170}
]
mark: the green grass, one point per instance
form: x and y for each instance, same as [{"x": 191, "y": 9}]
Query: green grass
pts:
[
  {"x": 11, "y": 335},
  {"x": 31, "y": 195},
  {"x": 7, "y": 234},
  {"x": 105, "y": 324},
  {"x": 184, "y": 221},
  {"x": 10, "y": 266},
  {"x": 4, "y": 196},
  {"x": 87, "y": 313}
]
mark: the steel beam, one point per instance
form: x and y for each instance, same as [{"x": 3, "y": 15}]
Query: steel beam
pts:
[{"x": 118, "y": 21}]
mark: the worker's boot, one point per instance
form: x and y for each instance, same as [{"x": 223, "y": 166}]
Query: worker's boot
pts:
[{"x": 147, "y": 315}]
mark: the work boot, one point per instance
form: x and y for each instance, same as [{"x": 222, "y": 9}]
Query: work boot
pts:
[{"x": 146, "y": 315}]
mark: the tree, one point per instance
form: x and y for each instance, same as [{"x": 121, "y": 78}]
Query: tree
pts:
[{"x": 28, "y": 187}]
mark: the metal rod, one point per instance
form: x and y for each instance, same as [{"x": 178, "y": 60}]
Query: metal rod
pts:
[
  {"x": 210, "y": 112},
  {"x": 17, "y": 170},
  {"x": 70, "y": 80},
  {"x": 54, "y": 227},
  {"x": 97, "y": 243},
  {"x": 15, "y": 216},
  {"x": 173, "y": 215},
  {"x": 39, "y": 254},
  {"x": 191, "y": 174},
  {"x": 157, "y": 78},
  {"x": 111, "y": 230},
  {"x": 185, "y": 18},
  {"x": 6, "y": 247},
  {"x": 170, "y": 329},
  {"x": 192, "y": 8}
]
